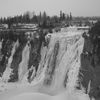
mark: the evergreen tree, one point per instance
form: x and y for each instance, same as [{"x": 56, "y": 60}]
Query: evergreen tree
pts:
[
  {"x": 44, "y": 19},
  {"x": 70, "y": 16},
  {"x": 61, "y": 15},
  {"x": 1, "y": 20}
]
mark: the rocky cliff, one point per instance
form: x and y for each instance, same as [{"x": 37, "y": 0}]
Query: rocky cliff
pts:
[{"x": 90, "y": 62}]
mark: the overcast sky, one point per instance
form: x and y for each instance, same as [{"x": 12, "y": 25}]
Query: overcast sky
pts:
[{"x": 52, "y": 7}]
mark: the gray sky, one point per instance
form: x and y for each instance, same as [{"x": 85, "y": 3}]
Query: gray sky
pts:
[{"x": 52, "y": 7}]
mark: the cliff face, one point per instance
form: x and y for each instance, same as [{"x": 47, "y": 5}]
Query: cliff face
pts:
[
  {"x": 18, "y": 54},
  {"x": 52, "y": 63},
  {"x": 90, "y": 64}
]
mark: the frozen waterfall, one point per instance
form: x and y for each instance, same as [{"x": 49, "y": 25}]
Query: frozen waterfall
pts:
[{"x": 55, "y": 73}]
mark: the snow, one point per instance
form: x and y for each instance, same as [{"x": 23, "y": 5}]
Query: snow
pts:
[{"x": 41, "y": 96}]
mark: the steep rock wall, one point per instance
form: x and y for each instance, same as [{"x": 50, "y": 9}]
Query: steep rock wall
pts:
[{"x": 90, "y": 66}]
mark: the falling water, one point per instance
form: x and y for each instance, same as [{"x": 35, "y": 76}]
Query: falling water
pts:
[
  {"x": 23, "y": 66},
  {"x": 60, "y": 63},
  {"x": 8, "y": 71}
]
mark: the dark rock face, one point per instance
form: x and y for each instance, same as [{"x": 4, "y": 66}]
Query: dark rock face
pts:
[
  {"x": 90, "y": 63},
  {"x": 8, "y": 40},
  {"x": 17, "y": 58},
  {"x": 35, "y": 57},
  {"x": 5, "y": 52}
]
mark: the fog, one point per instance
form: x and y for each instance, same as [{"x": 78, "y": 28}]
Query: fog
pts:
[{"x": 52, "y": 7}]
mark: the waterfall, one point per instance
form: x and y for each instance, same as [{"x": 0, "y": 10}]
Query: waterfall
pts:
[
  {"x": 0, "y": 44},
  {"x": 58, "y": 68},
  {"x": 74, "y": 64},
  {"x": 8, "y": 71},
  {"x": 23, "y": 66},
  {"x": 60, "y": 63}
]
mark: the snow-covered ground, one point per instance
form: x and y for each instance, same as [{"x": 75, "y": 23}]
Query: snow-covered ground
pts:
[{"x": 40, "y": 96}]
